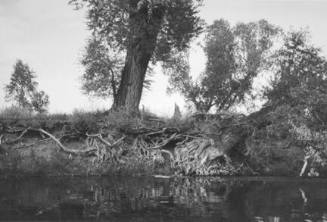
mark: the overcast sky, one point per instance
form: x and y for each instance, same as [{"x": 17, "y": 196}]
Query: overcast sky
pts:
[{"x": 50, "y": 36}]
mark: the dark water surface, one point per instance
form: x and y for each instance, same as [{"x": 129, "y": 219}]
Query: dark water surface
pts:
[{"x": 149, "y": 199}]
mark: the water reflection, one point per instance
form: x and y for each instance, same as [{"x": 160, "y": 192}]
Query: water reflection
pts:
[{"x": 149, "y": 199}]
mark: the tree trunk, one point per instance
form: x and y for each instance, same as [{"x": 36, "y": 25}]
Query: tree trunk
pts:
[{"x": 141, "y": 46}]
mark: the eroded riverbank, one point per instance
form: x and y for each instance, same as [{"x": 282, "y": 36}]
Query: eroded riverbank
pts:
[{"x": 113, "y": 143}]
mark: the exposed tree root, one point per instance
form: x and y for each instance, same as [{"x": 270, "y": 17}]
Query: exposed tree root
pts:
[
  {"x": 90, "y": 149},
  {"x": 19, "y": 137},
  {"x": 188, "y": 151},
  {"x": 188, "y": 154},
  {"x": 118, "y": 141},
  {"x": 62, "y": 147}
]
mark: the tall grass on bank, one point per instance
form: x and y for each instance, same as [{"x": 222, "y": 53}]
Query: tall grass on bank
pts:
[{"x": 15, "y": 112}]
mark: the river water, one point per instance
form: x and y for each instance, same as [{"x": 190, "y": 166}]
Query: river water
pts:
[{"x": 122, "y": 199}]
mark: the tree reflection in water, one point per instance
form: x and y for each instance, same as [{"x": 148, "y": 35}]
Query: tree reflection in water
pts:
[{"x": 175, "y": 199}]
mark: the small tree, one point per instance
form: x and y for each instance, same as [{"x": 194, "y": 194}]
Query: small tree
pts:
[
  {"x": 235, "y": 56},
  {"x": 23, "y": 89},
  {"x": 40, "y": 101}
]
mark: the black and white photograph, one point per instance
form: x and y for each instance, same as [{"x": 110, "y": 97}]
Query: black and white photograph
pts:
[{"x": 163, "y": 110}]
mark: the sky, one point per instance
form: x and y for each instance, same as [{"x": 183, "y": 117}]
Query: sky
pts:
[{"x": 50, "y": 37}]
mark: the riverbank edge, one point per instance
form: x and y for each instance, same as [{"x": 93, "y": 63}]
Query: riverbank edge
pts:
[{"x": 32, "y": 146}]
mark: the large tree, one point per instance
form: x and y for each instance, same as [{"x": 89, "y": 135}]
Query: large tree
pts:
[
  {"x": 22, "y": 89},
  {"x": 143, "y": 30},
  {"x": 235, "y": 56}
]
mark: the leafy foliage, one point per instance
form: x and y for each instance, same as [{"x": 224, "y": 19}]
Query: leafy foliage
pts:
[
  {"x": 102, "y": 69},
  {"x": 235, "y": 56},
  {"x": 23, "y": 89},
  {"x": 114, "y": 20}
]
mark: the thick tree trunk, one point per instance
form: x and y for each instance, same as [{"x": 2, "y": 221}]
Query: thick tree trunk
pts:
[
  {"x": 131, "y": 86},
  {"x": 142, "y": 43}
]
